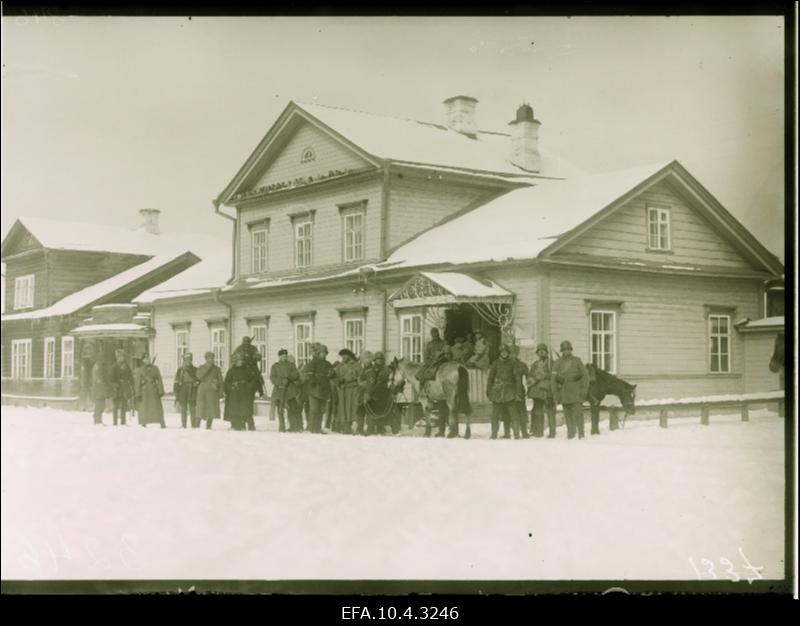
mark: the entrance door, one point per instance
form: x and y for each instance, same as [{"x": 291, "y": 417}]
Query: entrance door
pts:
[{"x": 458, "y": 323}]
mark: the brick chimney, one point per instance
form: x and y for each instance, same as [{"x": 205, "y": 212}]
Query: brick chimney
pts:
[
  {"x": 149, "y": 221},
  {"x": 525, "y": 140},
  {"x": 460, "y": 115}
]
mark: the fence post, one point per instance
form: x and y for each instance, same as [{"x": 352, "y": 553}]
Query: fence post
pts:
[
  {"x": 745, "y": 412},
  {"x": 704, "y": 415},
  {"x": 613, "y": 419},
  {"x": 662, "y": 418}
]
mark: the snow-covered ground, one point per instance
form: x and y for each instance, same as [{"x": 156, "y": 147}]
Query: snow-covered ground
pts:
[{"x": 80, "y": 501}]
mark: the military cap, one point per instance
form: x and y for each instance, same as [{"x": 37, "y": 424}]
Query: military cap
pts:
[
  {"x": 187, "y": 355},
  {"x": 209, "y": 353},
  {"x": 282, "y": 351},
  {"x": 505, "y": 348},
  {"x": 346, "y": 352},
  {"x": 542, "y": 346},
  {"x": 566, "y": 345},
  {"x": 378, "y": 355}
]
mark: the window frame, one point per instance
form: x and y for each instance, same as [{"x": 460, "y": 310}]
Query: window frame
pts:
[
  {"x": 349, "y": 213},
  {"x": 181, "y": 349},
  {"x": 29, "y": 280},
  {"x": 355, "y": 343},
  {"x": 728, "y": 336},
  {"x": 68, "y": 340},
  {"x": 660, "y": 224},
  {"x": 420, "y": 335},
  {"x": 613, "y": 333},
  {"x": 15, "y": 358},
  {"x": 219, "y": 348},
  {"x": 297, "y": 224},
  {"x": 259, "y": 262},
  {"x": 49, "y": 360},
  {"x": 261, "y": 346},
  {"x": 302, "y": 355}
]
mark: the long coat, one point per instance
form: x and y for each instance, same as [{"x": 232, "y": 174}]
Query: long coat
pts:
[
  {"x": 540, "y": 376},
  {"x": 240, "y": 392},
  {"x": 100, "y": 387},
  {"x": 185, "y": 385},
  {"x": 285, "y": 379},
  {"x": 570, "y": 380},
  {"x": 377, "y": 394},
  {"x": 120, "y": 382},
  {"x": 317, "y": 374},
  {"x": 349, "y": 392},
  {"x": 504, "y": 381},
  {"x": 209, "y": 391},
  {"x": 149, "y": 391}
]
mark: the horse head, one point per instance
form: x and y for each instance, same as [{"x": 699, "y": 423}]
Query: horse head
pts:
[
  {"x": 778, "y": 359},
  {"x": 628, "y": 399}
]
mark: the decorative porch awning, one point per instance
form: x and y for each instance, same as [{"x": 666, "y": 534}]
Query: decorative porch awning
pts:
[
  {"x": 443, "y": 288},
  {"x": 117, "y": 331}
]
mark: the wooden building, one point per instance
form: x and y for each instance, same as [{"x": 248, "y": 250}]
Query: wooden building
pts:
[
  {"x": 62, "y": 276},
  {"x": 364, "y": 231}
]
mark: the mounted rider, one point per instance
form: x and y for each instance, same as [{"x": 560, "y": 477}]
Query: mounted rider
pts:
[{"x": 436, "y": 353}]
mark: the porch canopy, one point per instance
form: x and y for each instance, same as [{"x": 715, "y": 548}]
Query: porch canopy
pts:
[
  {"x": 114, "y": 331},
  {"x": 443, "y": 288}
]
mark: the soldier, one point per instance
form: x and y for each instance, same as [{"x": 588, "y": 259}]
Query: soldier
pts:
[
  {"x": 377, "y": 395},
  {"x": 185, "y": 389},
  {"x": 504, "y": 388},
  {"x": 348, "y": 391},
  {"x": 122, "y": 386},
  {"x": 209, "y": 390},
  {"x": 570, "y": 383},
  {"x": 285, "y": 391},
  {"x": 434, "y": 352},
  {"x": 149, "y": 392},
  {"x": 480, "y": 352},
  {"x": 541, "y": 391},
  {"x": 250, "y": 353},
  {"x": 522, "y": 407},
  {"x": 316, "y": 375},
  {"x": 241, "y": 384},
  {"x": 100, "y": 389},
  {"x": 457, "y": 350}
]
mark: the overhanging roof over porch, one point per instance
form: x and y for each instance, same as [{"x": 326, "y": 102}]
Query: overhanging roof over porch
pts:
[
  {"x": 118, "y": 331},
  {"x": 442, "y": 288}
]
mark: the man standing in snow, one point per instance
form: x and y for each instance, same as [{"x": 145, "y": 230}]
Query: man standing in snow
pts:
[
  {"x": 285, "y": 381},
  {"x": 185, "y": 390},
  {"x": 100, "y": 389},
  {"x": 121, "y": 386},
  {"x": 505, "y": 389},
  {"x": 541, "y": 391},
  {"x": 317, "y": 374},
  {"x": 570, "y": 384}
]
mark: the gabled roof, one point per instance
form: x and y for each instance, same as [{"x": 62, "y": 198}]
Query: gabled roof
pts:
[
  {"x": 380, "y": 138},
  {"x": 106, "y": 289},
  {"x": 65, "y": 235},
  {"x": 533, "y": 222},
  {"x": 212, "y": 272}
]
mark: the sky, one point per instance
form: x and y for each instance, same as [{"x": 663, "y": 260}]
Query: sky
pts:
[{"x": 103, "y": 116}]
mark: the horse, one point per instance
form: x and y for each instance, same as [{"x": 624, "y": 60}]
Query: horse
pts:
[
  {"x": 602, "y": 384},
  {"x": 449, "y": 388},
  {"x": 777, "y": 362}
]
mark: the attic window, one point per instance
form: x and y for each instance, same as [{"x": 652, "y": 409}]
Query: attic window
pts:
[{"x": 308, "y": 155}]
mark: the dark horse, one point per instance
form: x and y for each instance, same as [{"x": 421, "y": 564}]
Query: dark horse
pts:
[
  {"x": 777, "y": 362},
  {"x": 601, "y": 384}
]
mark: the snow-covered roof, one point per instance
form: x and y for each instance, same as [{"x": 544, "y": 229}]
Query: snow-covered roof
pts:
[
  {"x": 521, "y": 223},
  {"x": 67, "y": 235},
  {"x": 765, "y": 323},
  {"x": 412, "y": 141},
  {"x": 89, "y": 295},
  {"x": 112, "y": 329},
  {"x": 463, "y": 285},
  {"x": 212, "y": 272}
]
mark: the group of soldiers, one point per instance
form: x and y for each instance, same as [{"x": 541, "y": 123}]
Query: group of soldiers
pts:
[{"x": 354, "y": 395}]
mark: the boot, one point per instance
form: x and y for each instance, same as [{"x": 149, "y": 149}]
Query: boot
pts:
[{"x": 495, "y": 427}]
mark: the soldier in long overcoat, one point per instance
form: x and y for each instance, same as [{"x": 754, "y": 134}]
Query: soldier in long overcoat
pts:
[
  {"x": 285, "y": 381},
  {"x": 348, "y": 391},
  {"x": 241, "y": 385},
  {"x": 505, "y": 389},
  {"x": 540, "y": 390},
  {"x": 571, "y": 384},
  {"x": 316, "y": 376},
  {"x": 185, "y": 389},
  {"x": 100, "y": 389},
  {"x": 378, "y": 400},
  {"x": 522, "y": 407},
  {"x": 121, "y": 384},
  {"x": 149, "y": 392},
  {"x": 210, "y": 387}
]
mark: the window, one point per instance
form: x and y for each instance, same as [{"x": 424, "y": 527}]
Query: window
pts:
[
  {"x": 49, "y": 357},
  {"x": 259, "y": 250},
  {"x": 67, "y": 357},
  {"x": 23, "y": 291},
  {"x": 353, "y": 236},
  {"x": 719, "y": 343},
  {"x": 411, "y": 337},
  {"x": 303, "y": 240},
  {"x": 181, "y": 344},
  {"x": 602, "y": 340},
  {"x": 219, "y": 345},
  {"x": 303, "y": 337},
  {"x": 658, "y": 228},
  {"x": 354, "y": 335},
  {"x": 258, "y": 333},
  {"x": 20, "y": 358},
  {"x": 308, "y": 155}
]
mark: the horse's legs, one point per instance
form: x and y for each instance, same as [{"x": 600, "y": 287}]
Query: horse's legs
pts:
[
  {"x": 453, "y": 418},
  {"x": 468, "y": 433},
  {"x": 595, "y": 409}
]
